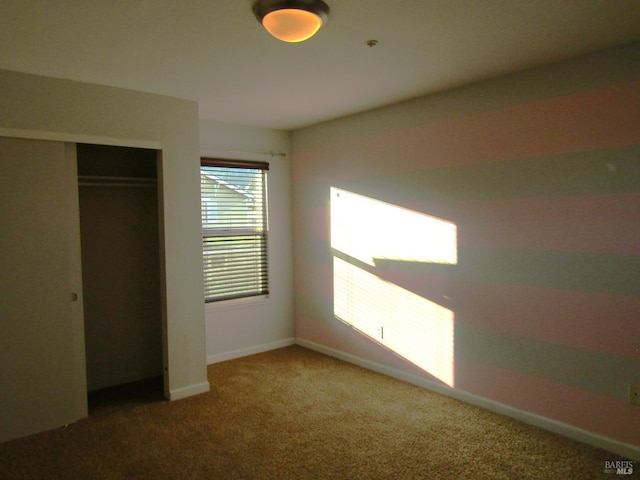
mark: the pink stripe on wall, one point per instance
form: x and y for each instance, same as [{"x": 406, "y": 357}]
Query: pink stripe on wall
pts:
[
  {"x": 314, "y": 280},
  {"x": 316, "y": 330},
  {"x": 597, "y": 413},
  {"x": 596, "y": 223},
  {"x": 312, "y": 223},
  {"x": 596, "y": 119},
  {"x": 340, "y": 336},
  {"x": 589, "y": 224},
  {"x": 566, "y": 317}
]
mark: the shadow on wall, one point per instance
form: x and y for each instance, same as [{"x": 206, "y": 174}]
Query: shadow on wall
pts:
[{"x": 367, "y": 237}]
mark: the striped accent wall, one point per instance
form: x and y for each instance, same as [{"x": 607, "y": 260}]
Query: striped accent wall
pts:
[{"x": 543, "y": 185}]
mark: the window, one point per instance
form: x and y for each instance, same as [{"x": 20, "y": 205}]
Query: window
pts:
[{"x": 234, "y": 228}]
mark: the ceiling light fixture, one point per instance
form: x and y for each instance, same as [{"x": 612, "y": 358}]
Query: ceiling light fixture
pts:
[{"x": 291, "y": 20}]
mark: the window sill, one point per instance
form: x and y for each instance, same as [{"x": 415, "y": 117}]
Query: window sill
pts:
[{"x": 237, "y": 303}]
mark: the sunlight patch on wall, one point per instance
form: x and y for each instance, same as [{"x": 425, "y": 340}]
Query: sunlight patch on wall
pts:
[
  {"x": 368, "y": 229},
  {"x": 415, "y": 328},
  {"x": 364, "y": 230}
]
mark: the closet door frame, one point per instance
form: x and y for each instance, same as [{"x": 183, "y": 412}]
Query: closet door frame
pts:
[{"x": 118, "y": 190}]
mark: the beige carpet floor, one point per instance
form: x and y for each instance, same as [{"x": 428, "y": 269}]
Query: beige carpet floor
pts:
[{"x": 295, "y": 414}]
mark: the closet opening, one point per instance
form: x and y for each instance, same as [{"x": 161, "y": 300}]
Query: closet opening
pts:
[{"x": 121, "y": 273}]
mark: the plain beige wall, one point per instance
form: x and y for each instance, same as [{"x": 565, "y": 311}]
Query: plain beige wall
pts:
[{"x": 238, "y": 328}]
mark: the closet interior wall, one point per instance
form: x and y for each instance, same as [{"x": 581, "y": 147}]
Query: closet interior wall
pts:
[{"x": 120, "y": 263}]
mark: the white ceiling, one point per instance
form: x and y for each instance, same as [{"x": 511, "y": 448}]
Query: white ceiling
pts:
[{"x": 215, "y": 51}]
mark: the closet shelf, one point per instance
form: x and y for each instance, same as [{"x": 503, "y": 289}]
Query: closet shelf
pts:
[{"x": 97, "y": 181}]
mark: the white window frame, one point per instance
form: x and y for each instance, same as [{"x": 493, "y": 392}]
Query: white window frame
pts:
[{"x": 261, "y": 234}]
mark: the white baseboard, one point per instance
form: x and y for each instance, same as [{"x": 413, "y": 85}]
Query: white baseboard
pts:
[
  {"x": 189, "y": 391},
  {"x": 243, "y": 352},
  {"x": 624, "y": 449}
]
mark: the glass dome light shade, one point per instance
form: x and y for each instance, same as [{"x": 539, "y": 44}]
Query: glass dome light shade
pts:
[
  {"x": 291, "y": 20},
  {"x": 292, "y": 25}
]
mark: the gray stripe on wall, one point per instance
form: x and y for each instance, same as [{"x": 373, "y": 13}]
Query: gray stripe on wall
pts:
[
  {"x": 589, "y": 272},
  {"x": 592, "y": 272},
  {"x": 596, "y": 172},
  {"x": 598, "y": 372}
]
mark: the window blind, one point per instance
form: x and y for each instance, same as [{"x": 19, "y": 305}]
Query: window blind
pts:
[{"x": 234, "y": 228}]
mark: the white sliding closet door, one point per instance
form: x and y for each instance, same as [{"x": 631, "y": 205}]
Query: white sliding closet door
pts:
[{"x": 42, "y": 358}]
